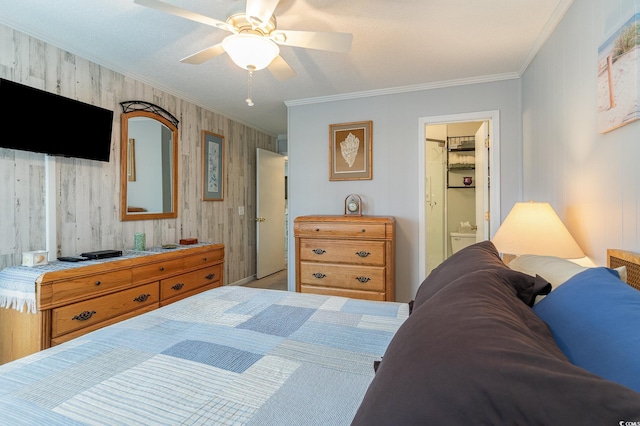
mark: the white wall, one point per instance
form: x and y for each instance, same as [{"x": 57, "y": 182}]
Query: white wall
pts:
[
  {"x": 591, "y": 179},
  {"x": 393, "y": 190}
]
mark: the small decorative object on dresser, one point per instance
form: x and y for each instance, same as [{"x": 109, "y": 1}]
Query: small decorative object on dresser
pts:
[
  {"x": 350, "y": 256},
  {"x": 34, "y": 258},
  {"x": 139, "y": 241},
  {"x": 353, "y": 205}
]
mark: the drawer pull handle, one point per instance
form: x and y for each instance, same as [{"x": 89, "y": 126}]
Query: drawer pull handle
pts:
[
  {"x": 363, "y": 230},
  {"x": 204, "y": 258},
  {"x": 363, "y": 279},
  {"x": 363, "y": 253},
  {"x": 178, "y": 286},
  {"x": 318, "y": 251},
  {"x": 142, "y": 298},
  {"x": 98, "y": 283},
  {"x": 317, "y": 229},
  {"x": 319, "y": 275},
  {"x": 210, "y": 276},
  {"x": 84, "y": 315},
  {"x": 162, "y": 268}
]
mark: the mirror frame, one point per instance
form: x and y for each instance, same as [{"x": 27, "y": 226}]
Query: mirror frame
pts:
[{"x": 124, "y": 140}]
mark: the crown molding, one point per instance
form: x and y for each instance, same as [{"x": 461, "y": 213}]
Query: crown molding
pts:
[
  {"x": 549, "y": 28},
  {"x": 404, "y": 89}
]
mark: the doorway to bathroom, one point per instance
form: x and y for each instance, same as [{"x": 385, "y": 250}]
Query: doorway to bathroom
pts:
[{"x": 459, "y": 183}]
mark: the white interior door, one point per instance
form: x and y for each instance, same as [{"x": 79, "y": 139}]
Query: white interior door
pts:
[
  {"x": 270, "y": 209},
  {"x": 482, "y": 182}
]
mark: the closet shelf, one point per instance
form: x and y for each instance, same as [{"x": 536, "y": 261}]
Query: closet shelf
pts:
[
  {"x": 462, "y": 166},
  {"x": 460, "y": 161},
  {"x": 461, "y": 143}
]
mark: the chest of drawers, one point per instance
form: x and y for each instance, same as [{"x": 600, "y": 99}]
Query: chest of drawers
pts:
[
  {"x": 346, "y": 256},
  {"x": 74, "y": 301}
]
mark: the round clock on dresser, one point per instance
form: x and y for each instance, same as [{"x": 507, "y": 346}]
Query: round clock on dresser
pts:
[{"x": 353, "y": 205}]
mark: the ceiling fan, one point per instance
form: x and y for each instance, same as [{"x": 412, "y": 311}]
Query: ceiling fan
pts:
[{"x": 255, "y": 41}]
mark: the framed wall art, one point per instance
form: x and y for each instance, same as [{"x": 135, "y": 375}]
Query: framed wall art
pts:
[
  {"x": 350, "y": 149},
  {"x": 618, "y": 71},
  {"x": 212, "y": 166}
]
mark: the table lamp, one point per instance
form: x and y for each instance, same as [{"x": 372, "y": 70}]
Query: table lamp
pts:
[{"x": 535, "y": 228}]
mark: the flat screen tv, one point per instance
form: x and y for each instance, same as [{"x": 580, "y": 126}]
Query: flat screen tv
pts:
[{"x": 39, "y": 121}]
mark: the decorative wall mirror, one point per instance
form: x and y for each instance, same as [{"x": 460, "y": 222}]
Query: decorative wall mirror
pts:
[{"x": 148, "y": 162}]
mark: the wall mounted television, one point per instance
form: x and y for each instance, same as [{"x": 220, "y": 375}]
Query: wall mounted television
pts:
[{"x": 39, "y": 121}]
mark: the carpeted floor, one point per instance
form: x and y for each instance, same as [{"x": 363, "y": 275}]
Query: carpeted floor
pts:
[{"x": 277, "y": 281}]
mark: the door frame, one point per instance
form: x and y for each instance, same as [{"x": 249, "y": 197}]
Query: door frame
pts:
[{"x": 493, "y": 117}]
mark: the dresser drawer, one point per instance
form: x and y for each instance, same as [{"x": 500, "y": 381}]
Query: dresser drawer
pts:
[
  {"x": 82, "y": 287},
  {"x": 86, "y": 313},
  {"x": 371, "y": 278},
  {"x": 341, "y": 251},
  {"x": 203, "y": 259},
  {"x": 155, "y": 271},
  {"x": 344, "y": 292},
  {"x": 185, "y": 283},
  {"x": 342, "y": 230}
]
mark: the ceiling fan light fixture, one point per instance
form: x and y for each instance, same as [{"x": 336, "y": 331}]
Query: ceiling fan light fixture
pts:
[{"x": 250, "y": 51}]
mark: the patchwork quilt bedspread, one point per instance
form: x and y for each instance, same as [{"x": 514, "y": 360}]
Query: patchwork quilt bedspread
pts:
[{"x": 228, "y": 356}]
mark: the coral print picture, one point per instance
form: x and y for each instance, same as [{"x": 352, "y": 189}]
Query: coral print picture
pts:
[
  {"x": 350, "y": 151},
  {"x": 618, "y": 74}
]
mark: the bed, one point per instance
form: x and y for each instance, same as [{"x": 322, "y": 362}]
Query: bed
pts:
[
  {"x": 231, "y": 355},
  {"x": 480, "y": 347},
  {"x": 473, "y": 347}
]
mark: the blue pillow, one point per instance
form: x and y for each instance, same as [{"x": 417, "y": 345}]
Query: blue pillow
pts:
[{"x": 595, "y": 320}]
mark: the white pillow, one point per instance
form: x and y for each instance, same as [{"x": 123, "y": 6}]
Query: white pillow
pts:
[{"x": 553, "y": 269}]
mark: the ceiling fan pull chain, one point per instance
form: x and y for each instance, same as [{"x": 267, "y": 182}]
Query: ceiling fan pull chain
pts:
[{"x": 249, "y": 84}]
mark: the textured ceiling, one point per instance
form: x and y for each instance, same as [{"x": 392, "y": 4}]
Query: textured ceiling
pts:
[{"x": 399, "y": 43}]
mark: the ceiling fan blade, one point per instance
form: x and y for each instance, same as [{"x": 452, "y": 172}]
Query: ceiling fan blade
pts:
[
  {"x": 183, "y": 13},
  {"x": 260, "y": 11},
  {"x": 280, "y": 69},
  {"x": 333, "y": 42},
  {"x": 204, "y": 55}
]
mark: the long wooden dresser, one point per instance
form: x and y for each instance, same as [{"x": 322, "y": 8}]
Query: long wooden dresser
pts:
[
  {"x": 78, "y": 299},
  {"x": 346, "y": 256}
]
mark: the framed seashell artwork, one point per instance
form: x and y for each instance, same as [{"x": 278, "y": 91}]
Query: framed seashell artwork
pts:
[{"x": 350, "y": 149}]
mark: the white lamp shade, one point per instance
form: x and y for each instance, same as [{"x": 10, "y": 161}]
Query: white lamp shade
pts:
[
  {"x": 249, "y": 51},
  {"x": 535, "y": 228}
]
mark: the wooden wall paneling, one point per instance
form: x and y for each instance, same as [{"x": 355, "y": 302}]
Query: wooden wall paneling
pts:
[
  {"x": 20, "y": 199},
  {"x": 22, "y": 52},
  {"x": 84, "y": 205},
  {"x": 66, "y": 72},
  {"x": 87, "y": 207},
  {"x": 51, "y": 63},
  {"x": 7, "y": 45},
  {"x": 37, "y": 62},
  {"x": 65, "y": 210},
  {"x": 29, "y": 202},
  {"x": 8, "y": 213}
]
